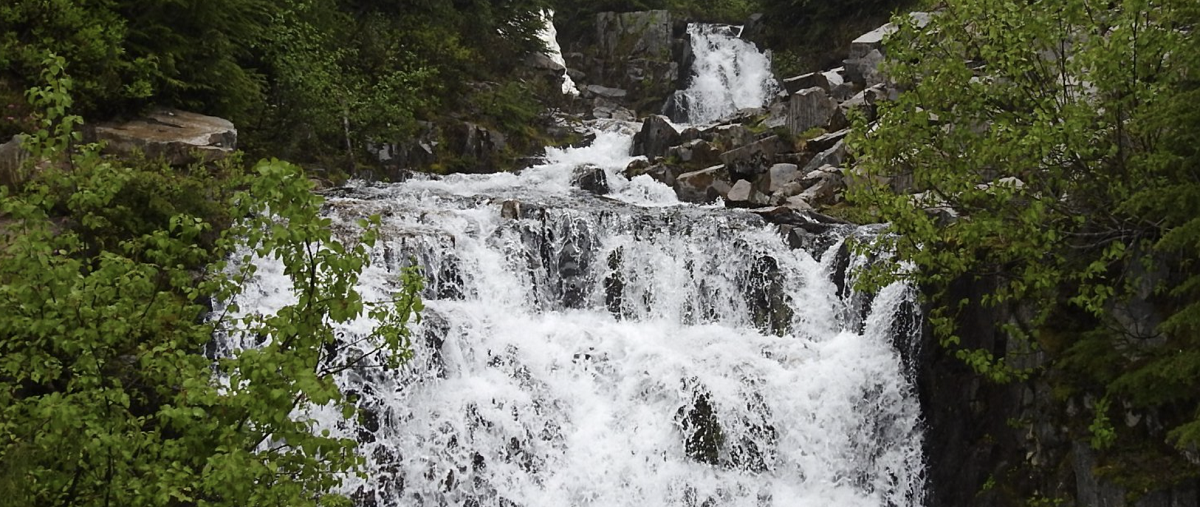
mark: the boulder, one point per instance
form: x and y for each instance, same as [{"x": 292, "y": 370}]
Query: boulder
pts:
[
  {"x": 11, "y": 158},
  {"x": 825, "y": 141},
  {"x": 728, "y": 136},
  {"x": 779, "y": 175},
  {"x": 478, "y": 145},
  {"x": 743, "y": 195},
  {"x": 662, "y": 173},
  {"x": 643, "y": 33},
  {"x": 834, "y": 156},
  {"x": 590, "y": 178},
  {"x": 655, "y": 138},
  {"x": 754, "y": 158},
  {"x": 806, "y": 81},
  {"x": 703, "y": 186},
  {"x": 179, "y": 137},
  {"x": 808, "y": 108},
  {"x": 606, "y": 92},
  {"x": 697, "y": 152},
  {"x": 539, "y": 60},
  {"x": 865, "y": 71},
  {"x": 825, "y": 190}
]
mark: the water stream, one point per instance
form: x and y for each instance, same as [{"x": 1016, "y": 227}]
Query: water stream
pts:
[{"x": 619, "y": 350}]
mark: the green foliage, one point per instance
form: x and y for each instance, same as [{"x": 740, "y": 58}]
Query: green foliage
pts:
[
  {"x": 1065, "y": 139},
  {"x": 105, "y": 398}
]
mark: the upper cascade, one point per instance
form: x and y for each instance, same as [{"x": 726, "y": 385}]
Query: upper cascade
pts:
[{"x": 728, "y": 74}]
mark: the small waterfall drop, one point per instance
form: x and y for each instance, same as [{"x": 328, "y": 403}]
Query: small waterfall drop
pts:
[
  {"x": 728, "y": 74},
  {"x": 618, "y": 350}
]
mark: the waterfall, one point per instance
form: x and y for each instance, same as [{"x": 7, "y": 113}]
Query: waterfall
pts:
[
  {"x": 728, "y": 74},
  {"x": 618, "y": 350}
]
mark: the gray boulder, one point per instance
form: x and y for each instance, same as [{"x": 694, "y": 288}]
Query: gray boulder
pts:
[
  {"x": 644, "y": 33},
  {"x": 12, "y": 156},
  {"x": 754, "y": 158},
  {"x": 179, "y": 137},
  {"x": 655, "y": 138},
  {"x": 825, "y": 141},
  {"x": 779, "y": 175},
  {"x": 703, "y": 186},
  {"x": 808, "y": 108},
  {"x": 743, "y": 195},
  {"x": 834, "y": 156}
]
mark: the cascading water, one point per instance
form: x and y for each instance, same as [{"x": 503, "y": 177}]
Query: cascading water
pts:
[
  {"x": 729, "y": 74},
  {"x": 618, "y": 350}
]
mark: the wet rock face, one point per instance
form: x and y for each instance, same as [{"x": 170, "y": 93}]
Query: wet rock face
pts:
[
  {"x": 655, "y": 138},
  {"x": 591, "y": 179},
  {"x": 179, "y": 137}
]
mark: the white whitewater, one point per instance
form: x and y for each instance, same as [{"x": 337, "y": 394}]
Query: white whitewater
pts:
[
  {"x": 549, "y": 36},
  {"x": 729, "y": 74},
  {"x": 619, "y": 350}
]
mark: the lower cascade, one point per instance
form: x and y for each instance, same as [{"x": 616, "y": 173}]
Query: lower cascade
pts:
[{"x": 618, "y": 350}]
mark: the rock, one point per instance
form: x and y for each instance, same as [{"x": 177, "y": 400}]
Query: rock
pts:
[
  {"x": 636, "y": 168},
  {"x": 415, "y": 152},
  {"x": 870, "y": 41},
  {"x": 728, "y": 137},
  {"x": 644, "y": 33},
  {"x": 697, "y": 153},
  {"x": 825, "y": 141},
  {"x": 542, "y": 61},
  {"x": 590, "y": 178},
  {"x": 754, "y": 158},
  {"x": 825, "y": 190},
  {"x": 743, "y": 195},
  {"x": 179, "y": 137},
  {"x": 479, "y": 146},
  {"x": 576, "y": 75},
  {"x": 655, "y": 138},
  {"x": 703, "y": 436},
  {"x": 809, "y": 108},
  {"x": 865, "y": 71},
  {"x": 834, "y": 156},
  {"x": 510, "y": 209},
  {"x": 703, "y": 186},
  {"x": 806, "y": 81},
  {"x": 11, "y": 158},
  {"x": 606, "y": 92},
  {"x": 779, "y": 175}
]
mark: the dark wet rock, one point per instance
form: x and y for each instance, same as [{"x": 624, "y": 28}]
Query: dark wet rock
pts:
[
  {"x": 655, "y": 138},
  {"x": 703, "y": 435},
  {"x": 591, "y": 178}
]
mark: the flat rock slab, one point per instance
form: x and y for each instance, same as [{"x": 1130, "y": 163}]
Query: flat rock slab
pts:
[{"x": 179, "y": 137}]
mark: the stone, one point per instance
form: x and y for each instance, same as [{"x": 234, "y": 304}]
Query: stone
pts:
[
  {"x": 806, "y": 81},
  {"x": 825, "y": 190},
  {"x": 510, "y": 209},
  {"x": 743, "y": 195},
  {"x": 606, "y": 92},
  {"x": 870, "y": 41},
  {"x": 779, "y": 175},
  {"x": 754, "y": 158},
  {"x": 809, "y": 108},
  {"x": 642, "y": 33},
  {"x": 542, "y": 61},
  {"x": 179, "y": 137},
  {"x": 728, "y": 136},
  {"x": 865, "y": 71},
  {"x": 825, "y": 141},
  {"x": 834, "y": 156},
  {"x": 478, "y": 145},
  {"x": 655, "y": 138},
  {"x": 12, "y": 156},
  {"x": 590, "y": 178},
  {"x": 703, "y": 186},
  {"x": 697, "y": 153}
]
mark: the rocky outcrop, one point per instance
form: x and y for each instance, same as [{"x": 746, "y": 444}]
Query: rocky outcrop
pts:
[
  {"x": 655, "y": 138},
  {"x": 634, "y": 61},
  {"x": 178, "y": 137}
]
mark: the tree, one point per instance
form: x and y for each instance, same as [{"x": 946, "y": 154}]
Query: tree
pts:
[
  {"x": 105, "y": 395},
  {"x": 1051, "y": 147}
]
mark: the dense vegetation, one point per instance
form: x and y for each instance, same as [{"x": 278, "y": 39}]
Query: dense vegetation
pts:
[
  {"x": 1051, "y": 149},
  {"x": 108, "y": 270},
  {"x": 301, "y": 78}
]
